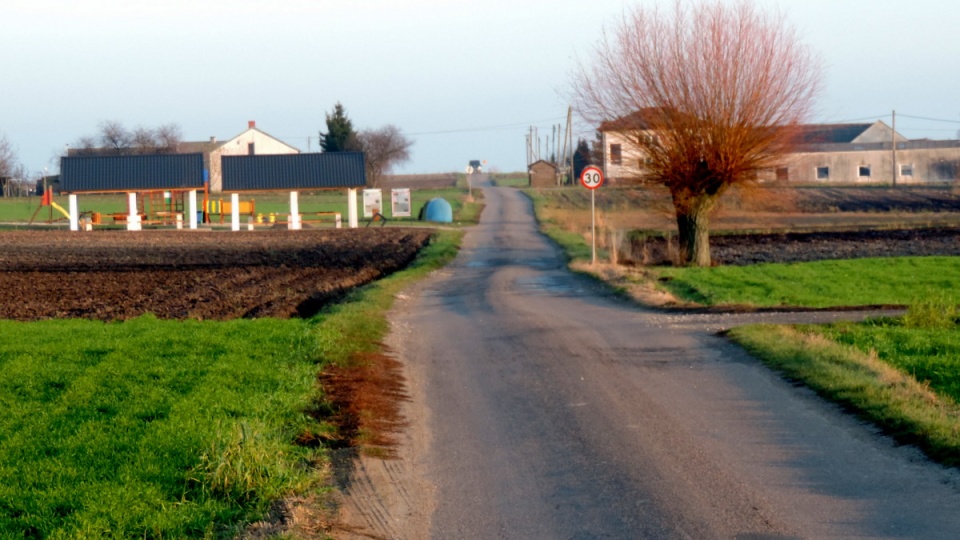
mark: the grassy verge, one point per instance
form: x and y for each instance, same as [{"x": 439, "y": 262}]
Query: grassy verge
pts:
[
  {"x": 873, "y": 369},
  {"x": 358, "y": 324},
  {"x": 573, "y": 244},
  {"x": 855, "y": 282},
  {"x": 172, "y": 429}
]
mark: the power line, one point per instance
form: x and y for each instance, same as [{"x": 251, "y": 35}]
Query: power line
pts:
[
  {"x": 488, "y": 128},
  {"x": 930, "y": 119},
  {"x": 874, "y": 117}
]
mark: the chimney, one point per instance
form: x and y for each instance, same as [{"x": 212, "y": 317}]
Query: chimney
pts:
[
  {"x": 252, "y": 124},
  {"x": 213, "y": 139}
]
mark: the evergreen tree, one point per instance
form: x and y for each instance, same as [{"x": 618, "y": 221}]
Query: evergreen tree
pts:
[
  {"x": 340, "y": 136},
  {"x": 581, "y": 159}
]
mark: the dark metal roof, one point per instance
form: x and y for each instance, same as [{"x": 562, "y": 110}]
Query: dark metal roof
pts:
[
  {"x": 291, "y": 172},
  {"x": 830, "y": 133},
  {"x": 131, "y": 173}
]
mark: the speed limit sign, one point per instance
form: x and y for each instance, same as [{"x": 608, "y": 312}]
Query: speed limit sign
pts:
[{"x": 591, "y": 178}]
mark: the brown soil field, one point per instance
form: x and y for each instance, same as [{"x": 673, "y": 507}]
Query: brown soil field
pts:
[
  {"x": 115, "y": 275},
  {"x": 745, "y": 249}
]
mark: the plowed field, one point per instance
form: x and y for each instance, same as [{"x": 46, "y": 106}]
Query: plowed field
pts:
[
  {"x": 746, "y": 249},
  {"x": 110, "y": 275}
]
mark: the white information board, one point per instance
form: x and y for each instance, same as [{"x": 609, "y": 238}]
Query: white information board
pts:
[
  {"x": 372, "y": 202},
  {"x": 401, "y": 202}
]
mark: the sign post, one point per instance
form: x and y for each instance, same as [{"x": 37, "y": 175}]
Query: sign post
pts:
[{"x": 592, "y": 178}]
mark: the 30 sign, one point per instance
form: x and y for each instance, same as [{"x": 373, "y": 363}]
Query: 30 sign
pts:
[{"x": 591, "y": 178}]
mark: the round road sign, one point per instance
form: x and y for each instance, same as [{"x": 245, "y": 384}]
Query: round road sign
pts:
[{"x": 591, "y": 178}]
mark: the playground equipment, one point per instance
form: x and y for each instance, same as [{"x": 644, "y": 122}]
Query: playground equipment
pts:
[{"x": 47, "y": 200}]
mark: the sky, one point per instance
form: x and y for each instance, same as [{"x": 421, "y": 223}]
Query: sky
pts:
[{"x": 463, "y": 79}]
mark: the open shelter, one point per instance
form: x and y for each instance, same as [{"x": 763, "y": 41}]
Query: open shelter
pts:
[
  {"x": 132, "y": 174},
  {"x": 294, "y": 173}
]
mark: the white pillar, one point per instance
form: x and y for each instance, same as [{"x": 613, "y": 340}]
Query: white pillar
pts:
[
  {"x": 235, "y": 211},
  {"x": 294, "y": 222},
  {"x": 74, "y": 213},
  {"x": 352, "y": 219},
  {"x": 192, "y": 208},
  {"x": 133, "y": 217}
]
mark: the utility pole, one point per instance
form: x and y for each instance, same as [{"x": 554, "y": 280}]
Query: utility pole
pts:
[{"x": 894, "y": 145}]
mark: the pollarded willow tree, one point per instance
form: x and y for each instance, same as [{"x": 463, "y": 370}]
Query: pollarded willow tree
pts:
[{"x": 713, "y": 92}]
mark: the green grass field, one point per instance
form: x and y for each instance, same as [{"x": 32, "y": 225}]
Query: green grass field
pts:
[
  {"x": 20, "y": 210},
  {"x": 930, "y": 354},
  {"x": 150, "y": 428},
  {"x": 172, "y": 429},
  {"x": 854, "y": 282}
]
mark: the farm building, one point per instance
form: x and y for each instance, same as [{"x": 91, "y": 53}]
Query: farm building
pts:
[
  {"x": 542, "y": 174},
  {"x": 827, "y": 153}
]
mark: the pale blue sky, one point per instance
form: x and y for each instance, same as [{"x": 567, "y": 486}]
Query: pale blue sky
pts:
[{"x": 463, "y": 79}]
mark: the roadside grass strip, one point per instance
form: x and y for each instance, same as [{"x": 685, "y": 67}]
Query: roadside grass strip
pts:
[
  {"x": 896, "y": 281},
  {"x": 905, "y": 380},
  {"x": 358, "y": 324},
  {"x": 151, "y": 428}
]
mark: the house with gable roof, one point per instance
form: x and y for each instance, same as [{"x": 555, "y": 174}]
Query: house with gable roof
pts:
[{"x": 252, "y": 141}]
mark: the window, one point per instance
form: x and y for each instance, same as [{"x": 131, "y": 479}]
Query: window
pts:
[
  {"x": 250, "y": 149},
  {"x": 863, "y": 171},
  {"x": 906, "y": 170},
  {"x": 616, "y": 155},
  {"x": 783, "y": 174},
  {"x": 823, "y": 173},
  {"x": 945, "y": 170}
]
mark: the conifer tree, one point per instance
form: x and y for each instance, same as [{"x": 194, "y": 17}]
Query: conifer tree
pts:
[{"x": 340, "y": 136}]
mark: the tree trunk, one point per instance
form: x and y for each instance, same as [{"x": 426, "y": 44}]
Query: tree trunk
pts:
[{"x": 693, "y": 226}]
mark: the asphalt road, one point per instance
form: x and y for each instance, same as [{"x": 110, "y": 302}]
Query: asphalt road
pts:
[{"x": 542, "y": 407}]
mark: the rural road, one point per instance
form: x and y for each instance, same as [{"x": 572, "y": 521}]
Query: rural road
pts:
[{"x": 542, "y": 407}]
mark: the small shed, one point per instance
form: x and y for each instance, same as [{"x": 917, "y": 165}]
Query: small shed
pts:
[{"x": 542, "y": 174}]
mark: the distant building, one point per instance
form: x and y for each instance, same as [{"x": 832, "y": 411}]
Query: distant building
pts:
[
  {"x": 864, "y": 153},
  {"x": 543, "y": 174},
  {"x": 827, "y": 153},
  {"x": 251, "y": 142}
]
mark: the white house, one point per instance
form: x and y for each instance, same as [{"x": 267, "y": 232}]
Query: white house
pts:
[{"x": 251, "y": 142}]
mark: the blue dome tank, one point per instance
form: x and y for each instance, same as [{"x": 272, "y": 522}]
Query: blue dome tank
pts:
[{"x": 439, "y": 211}]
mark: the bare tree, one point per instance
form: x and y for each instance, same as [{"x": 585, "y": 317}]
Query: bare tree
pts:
[
  {"x": 383, "y": 148},
  {"x": 115, "y": 139},
  {"x": 168, "y": 137},
  {"x": 143, "y": 140},
  {"x": 8, "y": 158},
  {"x": 713, "y": 92}
]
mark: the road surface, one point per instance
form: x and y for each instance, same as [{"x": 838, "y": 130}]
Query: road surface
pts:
[{"x": 542, "y": 407}]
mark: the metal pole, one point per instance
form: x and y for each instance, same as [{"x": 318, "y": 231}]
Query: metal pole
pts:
[
  {"x": 894, "y": 139},
  {"x": 593, "y": 223}
]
